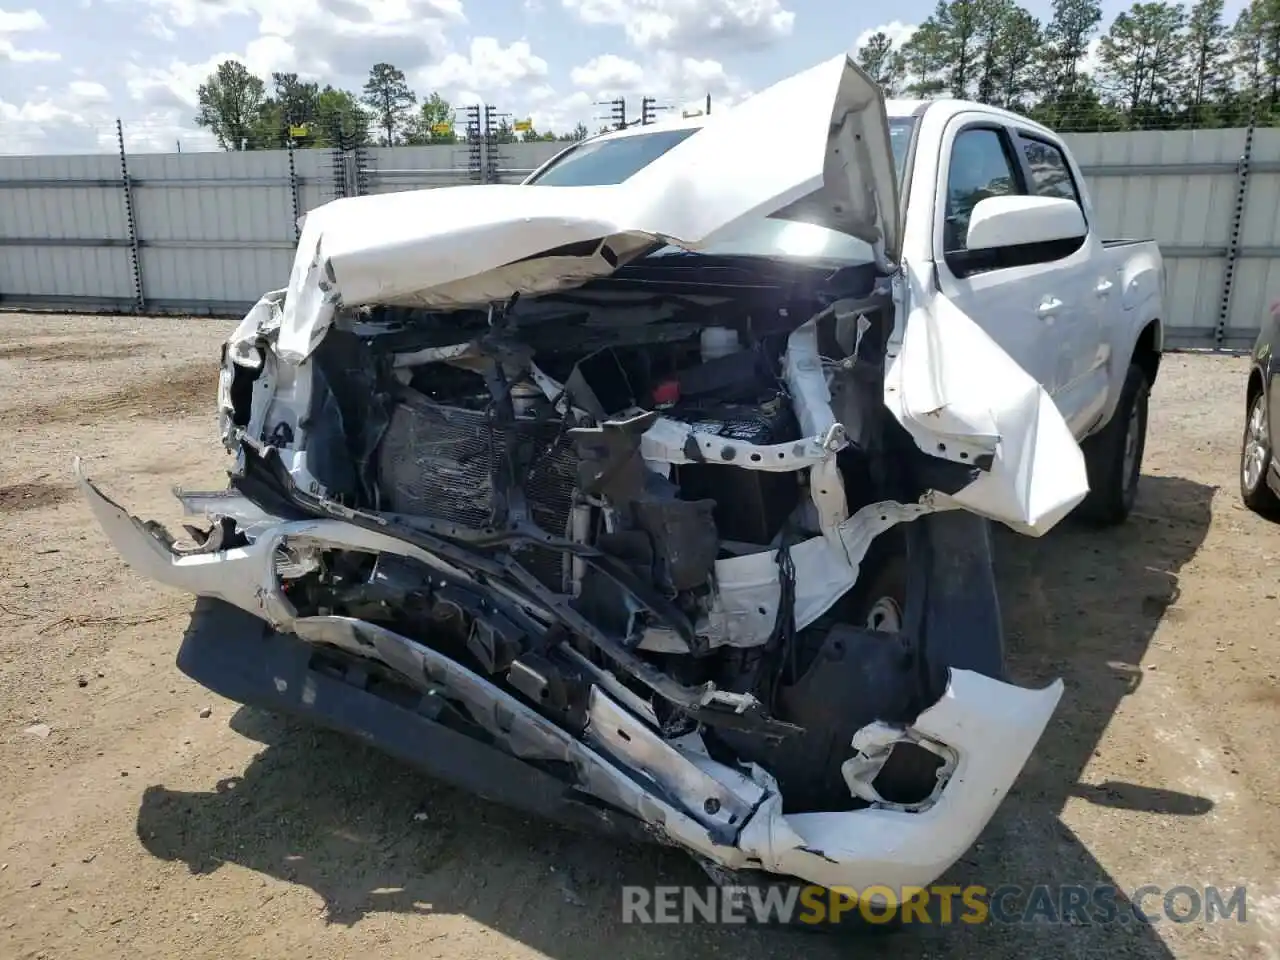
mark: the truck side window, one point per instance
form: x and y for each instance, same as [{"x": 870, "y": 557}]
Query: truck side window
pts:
[
  {"x": 1050, "y": 175},
  {"x": 980, "y": 167}
]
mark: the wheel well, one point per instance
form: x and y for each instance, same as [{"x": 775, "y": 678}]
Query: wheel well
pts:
[
  {"x": 1254, "y": 388},
  {"x": 1146, "y": 352}
]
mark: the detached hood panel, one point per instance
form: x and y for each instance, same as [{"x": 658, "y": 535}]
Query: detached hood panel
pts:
[{"x": 471, "y": 245}]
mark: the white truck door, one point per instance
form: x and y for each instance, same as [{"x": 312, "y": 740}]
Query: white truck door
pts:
[
  {"x": 1082, "y": 387},
  {"x": 1032, "y": 302}
]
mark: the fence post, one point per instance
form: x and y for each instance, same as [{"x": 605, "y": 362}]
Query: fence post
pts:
[
  {"x": 361, "y": 169},
  {"x": 338, "y": 166},
  {"x": 1233, "y": 237},
  {"x": 127, "y": 185},
  {"x": 475, "y": 150},
  {"x": 493, "y": 154},
  {"x": 293, "y": 182}
]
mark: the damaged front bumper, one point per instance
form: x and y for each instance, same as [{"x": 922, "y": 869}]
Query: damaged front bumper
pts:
[{"x": 248, "y": 643}]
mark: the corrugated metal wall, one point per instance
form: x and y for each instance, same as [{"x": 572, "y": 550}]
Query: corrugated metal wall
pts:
[
  {"x": 196, "y": 232},
  {"x": 1257, "y": 281},
  {"x": 210, "y": 232},
  {"x": 1212, "y": 200},
  {"x": 63, "y": 231}
]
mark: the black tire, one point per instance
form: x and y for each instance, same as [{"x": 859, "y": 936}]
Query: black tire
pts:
[
  {"x": 1254, "y": 491},
  {"x": 1113, "y": 477}
]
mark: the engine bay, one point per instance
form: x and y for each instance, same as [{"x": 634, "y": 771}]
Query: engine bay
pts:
[{"x": 643, "y": 488}]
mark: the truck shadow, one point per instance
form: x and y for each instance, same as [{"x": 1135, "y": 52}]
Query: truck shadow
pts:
[{"x": 368, "y": 835}]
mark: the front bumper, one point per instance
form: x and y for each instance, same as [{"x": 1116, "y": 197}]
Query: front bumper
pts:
[{"x": 624, "y": 776}]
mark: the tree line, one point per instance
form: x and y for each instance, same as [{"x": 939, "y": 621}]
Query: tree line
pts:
[
  {"x": 1157, "y": 65},
  {"x": 236, "y": 107}
]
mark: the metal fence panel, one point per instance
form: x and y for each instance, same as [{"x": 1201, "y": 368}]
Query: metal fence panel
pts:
[
  {"x": 314, "y": 171},
  {"x": 1178, "y": 187},
  {"x": 213, "y": 228},
  {"x": 1257, "y": 281},
  {"x": 63, "y": 230},
  {"x": 213, "y": 231}
]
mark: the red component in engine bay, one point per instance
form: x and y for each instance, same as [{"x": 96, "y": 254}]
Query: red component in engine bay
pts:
[{"x": 666, "y": 393}]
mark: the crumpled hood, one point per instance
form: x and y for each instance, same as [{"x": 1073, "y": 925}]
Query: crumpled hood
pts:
[{"x": 472, "y": 245}]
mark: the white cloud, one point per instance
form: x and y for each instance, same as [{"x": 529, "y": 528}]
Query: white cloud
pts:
[
  {"x": 163, "y": 132},
  {"x": 9, "y": 52},
  {"x": 154, "y": 25},
  {"x": 487, "y": 66},
  {"x": 23, "y": 21},
  {"x": 173, "y": 87},
  {"x": 897, "y": 31},
  {"x": 86, "y": 91},
  {"x": 664, "y": 76},
  {"x": 80, "y": 119},
  {"x": 609, "y": 74},
  {"x": 677, "y": 83},
  {"x": 563, "y": 114},
  {"x": 328, "y": 38},
  {"x": 269, "y": 54},
  {"x": 687, "y": 24},
  {"x": 26, "y": 123}
]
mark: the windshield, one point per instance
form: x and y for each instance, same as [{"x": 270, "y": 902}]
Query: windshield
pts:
[{"x": 601, "y": 162}]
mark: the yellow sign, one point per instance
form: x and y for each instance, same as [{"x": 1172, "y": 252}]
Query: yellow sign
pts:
[
  {"x": 691, "y": 113},
  {"x": 524, "y": 124},
  {"x": 442, "y": 128},
  {"x": 301, "y": 130}
]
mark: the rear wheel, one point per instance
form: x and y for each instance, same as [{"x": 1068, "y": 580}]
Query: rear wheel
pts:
[
  {"x": 1113, "y": 455},
  {"x": 1255, "y": 460}
]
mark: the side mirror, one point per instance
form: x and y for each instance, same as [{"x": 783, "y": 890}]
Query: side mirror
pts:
[{"x": 1012, "y": 221}]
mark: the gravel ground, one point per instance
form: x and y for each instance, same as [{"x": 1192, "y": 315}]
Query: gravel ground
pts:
[{"x": 141, "y": 816}]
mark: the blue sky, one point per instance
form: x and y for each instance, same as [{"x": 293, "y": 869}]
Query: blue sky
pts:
[{"x": 68, "y": 68}]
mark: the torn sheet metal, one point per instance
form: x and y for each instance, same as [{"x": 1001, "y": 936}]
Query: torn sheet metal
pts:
[
  {"x": 962, "y": 398},
  {"x": 991, "y": 727},
  {"x": 464, "y": 246}
]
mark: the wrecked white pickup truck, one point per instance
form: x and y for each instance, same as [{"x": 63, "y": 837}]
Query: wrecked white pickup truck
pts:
[{"x": 654, "y": 493}]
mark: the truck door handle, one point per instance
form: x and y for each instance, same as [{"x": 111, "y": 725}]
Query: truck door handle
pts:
[
  {"x": 1104, "y": 287},
  {"x": 1049, "y": 307}
]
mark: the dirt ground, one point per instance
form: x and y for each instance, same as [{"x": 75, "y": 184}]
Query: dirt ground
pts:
[{"x": 141, "y": 816}]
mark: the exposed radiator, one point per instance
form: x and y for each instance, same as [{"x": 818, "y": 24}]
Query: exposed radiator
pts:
[{"x": 439, "y": 461}]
